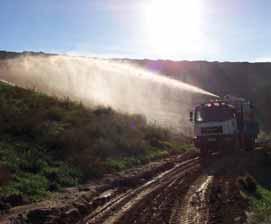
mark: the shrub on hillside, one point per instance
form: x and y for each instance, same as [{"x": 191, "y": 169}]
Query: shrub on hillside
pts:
[{"x": 48, "y": 143}]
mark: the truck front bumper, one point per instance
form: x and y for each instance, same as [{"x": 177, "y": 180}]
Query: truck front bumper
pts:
[{"x": 214, "y": 141}]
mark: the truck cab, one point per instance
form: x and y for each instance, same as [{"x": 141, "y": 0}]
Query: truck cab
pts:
[
  {"x": 215, "y": 126},
  {"x": 224, "y": 125}
]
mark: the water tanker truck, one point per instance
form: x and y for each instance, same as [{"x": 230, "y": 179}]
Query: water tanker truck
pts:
[{"x": 224, "y": 125}]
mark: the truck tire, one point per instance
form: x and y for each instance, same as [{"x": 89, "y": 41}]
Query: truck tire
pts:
[
  {"x": 237, "y": 145},
  {"x": 204, "y": 153},
  {"x": 204, "y": 157},
  {"x": 250, "y": 144}
]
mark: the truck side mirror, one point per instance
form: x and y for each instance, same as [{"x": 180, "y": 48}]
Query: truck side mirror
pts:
[{"x": 191, "y": 116}]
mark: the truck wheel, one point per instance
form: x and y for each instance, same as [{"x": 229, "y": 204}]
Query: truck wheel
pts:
[
  {"x": 237, "y": 144},
  {"x": 204, "y": 153},
  {"x": 250, "y": 145},
  {"x": 204, "y": 157}
]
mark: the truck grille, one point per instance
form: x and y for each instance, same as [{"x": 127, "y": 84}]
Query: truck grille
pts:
[{"x": 212, "y": 130}]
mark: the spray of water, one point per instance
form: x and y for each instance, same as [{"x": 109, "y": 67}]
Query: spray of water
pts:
[{"x": 123, "y": 87}]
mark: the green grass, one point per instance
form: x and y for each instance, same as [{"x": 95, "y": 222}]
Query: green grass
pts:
[
  {"x": 260, "y": 205},
  {"x": 259, "y": 194},
  {"x": 33, "y": 172},
  {"x": 47, "y": 144}
]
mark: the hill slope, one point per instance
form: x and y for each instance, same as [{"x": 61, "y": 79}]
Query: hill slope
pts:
[
  {"x": 47, "y": 144},
  {"x": 248, "y": 80}
]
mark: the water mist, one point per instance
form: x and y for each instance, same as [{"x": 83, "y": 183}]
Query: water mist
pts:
[{"x": 95, "y": 82}]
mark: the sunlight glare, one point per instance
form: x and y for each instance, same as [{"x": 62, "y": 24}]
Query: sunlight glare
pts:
[{"x": 173, "y": 25}]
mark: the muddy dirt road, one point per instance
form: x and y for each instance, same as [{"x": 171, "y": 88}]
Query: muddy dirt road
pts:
[{"x": 180, "y": 190}]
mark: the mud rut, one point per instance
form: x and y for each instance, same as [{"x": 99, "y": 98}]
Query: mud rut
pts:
[
  {"x": 185, "y": 193},
  {"x": 151, "y": 202},
  {"x": 179, "y": 195}
]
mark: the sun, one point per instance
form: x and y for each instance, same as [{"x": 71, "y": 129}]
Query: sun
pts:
[{"x": 173, "y": 25}]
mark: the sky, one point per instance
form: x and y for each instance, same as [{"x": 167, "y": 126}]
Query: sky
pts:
[{"x": 224, "y": 30}]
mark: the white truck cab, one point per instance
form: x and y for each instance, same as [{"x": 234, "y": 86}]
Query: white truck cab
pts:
[
  {"x": 215, "y": 125},
  {"x": 224, "y": 125}
]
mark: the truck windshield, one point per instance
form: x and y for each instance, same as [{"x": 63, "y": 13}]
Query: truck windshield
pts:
[{"x": 207, "y": 114}]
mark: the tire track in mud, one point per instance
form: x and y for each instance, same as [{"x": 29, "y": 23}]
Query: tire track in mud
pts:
[
  {"x": 226, "y": 203},
  {"x": 185, "y": 194},
  {"x": 185, "y": 191},
  {"x": 195, "y": 208},
  {"x": 124, "y": 208},
  {"x": 157, "y": 206}
]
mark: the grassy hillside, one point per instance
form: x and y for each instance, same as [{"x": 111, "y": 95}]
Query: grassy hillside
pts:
[{"x": 47, "y": 144}]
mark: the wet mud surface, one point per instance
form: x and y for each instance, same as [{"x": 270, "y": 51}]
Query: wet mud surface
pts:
[{"x": 180, "y": 189}]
